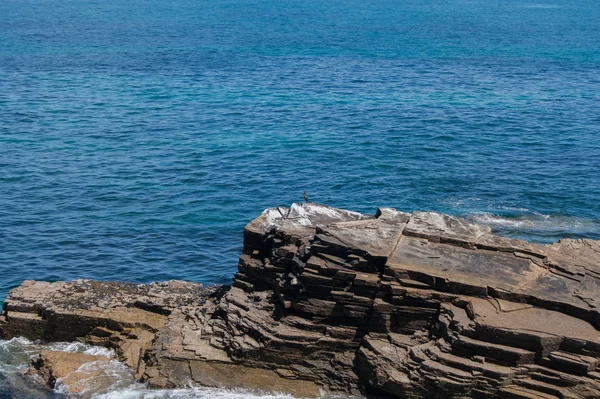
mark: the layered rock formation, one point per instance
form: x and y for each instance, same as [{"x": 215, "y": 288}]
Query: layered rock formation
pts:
[{"x": 395, "y": 305}]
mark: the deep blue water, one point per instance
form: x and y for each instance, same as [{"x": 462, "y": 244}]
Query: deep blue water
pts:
[{"x": 138, "y": 137}]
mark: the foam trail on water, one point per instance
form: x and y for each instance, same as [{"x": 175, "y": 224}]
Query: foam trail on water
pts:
[
  {"x": 514, "y": 221},
  {"x": 536, "y": 226}
]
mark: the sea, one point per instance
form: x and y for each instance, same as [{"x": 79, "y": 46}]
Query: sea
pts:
[{"x": 138, "y": 137}]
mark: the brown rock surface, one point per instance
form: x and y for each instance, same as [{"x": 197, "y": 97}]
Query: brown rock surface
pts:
[
  {"x": 392, "y": 305},
  {"x": 77, "y": 374}
]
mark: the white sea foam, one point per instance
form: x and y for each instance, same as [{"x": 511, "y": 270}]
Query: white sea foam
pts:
[
  {"x": 100, "y": 376},
  {"x": 77, "y": 347},
  {"x": 548, "y": 227},
  {"x": 496, "y": 220},
  {"x": 16, "y": 351},
  {"x": 520, "y": 222},
  {"x": 455, "y": 202},
  {"x": 100, "y": 351},
  {"x": 21, "y": 349},
  {"x": 115, "y": 381},
  {"x": 139, "y": 391},
  {"x": 11, "y": 344}
]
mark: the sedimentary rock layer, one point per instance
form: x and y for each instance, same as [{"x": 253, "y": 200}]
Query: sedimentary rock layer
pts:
[{"x": 396, "y": 305}]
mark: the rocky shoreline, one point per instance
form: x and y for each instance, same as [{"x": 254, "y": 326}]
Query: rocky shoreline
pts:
[{"x": 392, "y": 305}]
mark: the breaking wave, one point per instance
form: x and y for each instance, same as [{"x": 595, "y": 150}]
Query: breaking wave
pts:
[
  {"x": 16, "y": 350},
  {"x": 116, "y": 380},
  {"x": 534, "y": 226},
  {"x": 139, "y": 391},
  {"x": 511, "y": 220}
]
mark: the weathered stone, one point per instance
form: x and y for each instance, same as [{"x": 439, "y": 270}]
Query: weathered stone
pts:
[
  {"x": 326, "y": 300},
  {"x": 78, "y": 374},
  {"x": 218, "y": 375},
  {"x": 374, "y": 238},
  {"x": 437, "y": 227}
]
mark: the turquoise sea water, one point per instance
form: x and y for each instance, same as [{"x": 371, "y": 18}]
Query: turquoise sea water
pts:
[{"x": 138, "y": 137}]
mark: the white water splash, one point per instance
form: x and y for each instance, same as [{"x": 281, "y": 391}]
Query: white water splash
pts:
[
  {"x": 99, "y": 376},
  {"x": 497, "y": 220},
  {"x": 19, "y": 346},
  {"x": 537, "y": 226},
  {"x": 16, "y": 353},
  {"x": 534, "y": 220},
  {"x": 138, "y": 391},
  {"x": 509, "y": 220},
  {"x": 77, "y": 347}
]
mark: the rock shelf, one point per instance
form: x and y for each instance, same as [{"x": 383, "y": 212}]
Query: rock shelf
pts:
[{"x": 393, "y": 305}]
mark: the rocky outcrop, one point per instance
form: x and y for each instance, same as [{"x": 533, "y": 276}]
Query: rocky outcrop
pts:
[
  {"x": 121, "y": 316},
  {"x": 395, "y": 305}
]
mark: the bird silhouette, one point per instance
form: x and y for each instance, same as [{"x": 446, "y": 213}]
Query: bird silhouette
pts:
[{"x": 306, "y": 197}]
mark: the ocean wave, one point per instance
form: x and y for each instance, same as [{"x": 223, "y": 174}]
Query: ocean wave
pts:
[
  {"x": 509, "y": 219},
  {"x": 100, "y": 376},
  {"x": 19, "y": 347},
  {"x": 114, "y": 381},
  {"x": 139, "y": 391},
  {"x": 527, "y": 224},
  {"x": 78, "y": 347},
  {"x": 16, "y": 353}
]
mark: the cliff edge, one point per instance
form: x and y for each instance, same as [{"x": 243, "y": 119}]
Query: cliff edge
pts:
[{"x": 394, "y": 305}]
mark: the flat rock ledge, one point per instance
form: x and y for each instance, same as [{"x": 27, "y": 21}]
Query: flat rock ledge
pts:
[{"x": 391, "y": 305}]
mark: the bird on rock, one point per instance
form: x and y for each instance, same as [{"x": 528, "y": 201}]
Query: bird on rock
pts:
[{"x": 306, "y": 197}]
